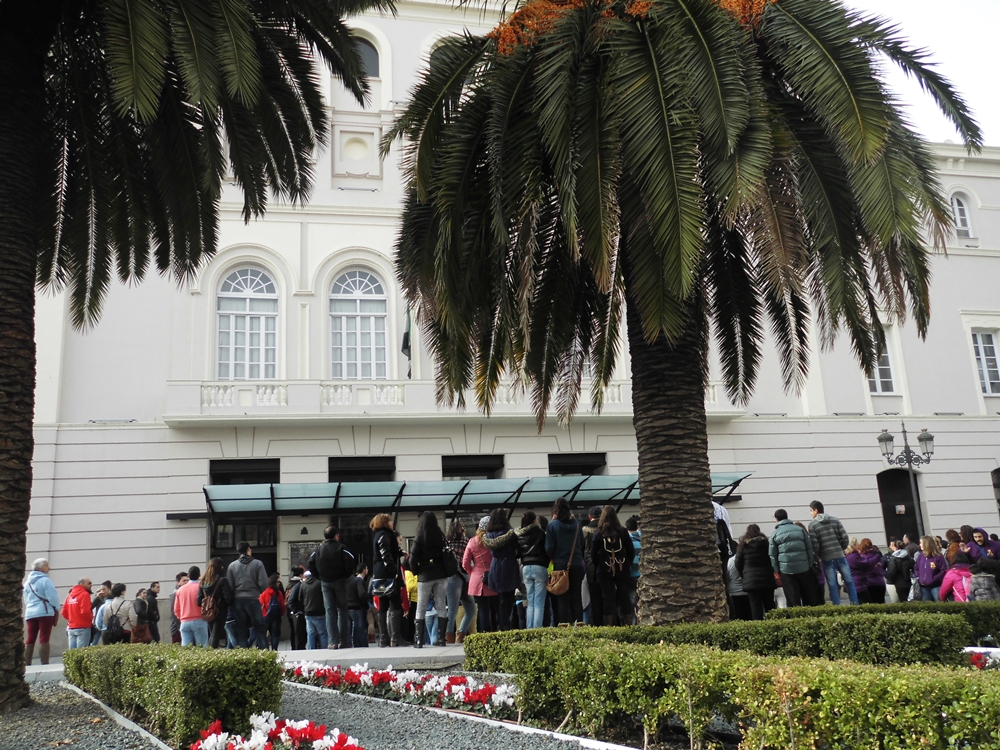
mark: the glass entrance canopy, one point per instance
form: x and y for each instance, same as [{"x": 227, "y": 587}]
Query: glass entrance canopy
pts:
[{"x": 445, "y": 495}]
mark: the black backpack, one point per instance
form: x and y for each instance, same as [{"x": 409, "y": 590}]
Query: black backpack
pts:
[{"x": 113, "y": 631}]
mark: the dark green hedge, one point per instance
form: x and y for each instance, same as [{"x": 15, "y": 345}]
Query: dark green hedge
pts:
[
  {"x": 872, "y": 639},
  {"x": 777, "y": 703},
  {"x": 175, "y": 692},
  {"x": 983, "y": 617}
]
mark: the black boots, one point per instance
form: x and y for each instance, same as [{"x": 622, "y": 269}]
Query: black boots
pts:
[
  {"x": 418, "y": 636},
  {"x": 396, "y": 628},
  {"x": 442, "y": 627},
  {"x": 383, "y": 628}
]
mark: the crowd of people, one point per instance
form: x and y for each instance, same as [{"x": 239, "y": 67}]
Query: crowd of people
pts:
[
  {"x": 501, "y": 578},
  {"x": 429, "y": 595},
  {"x": 810, "y": 563},
  {"x": 498, "y": 576}
]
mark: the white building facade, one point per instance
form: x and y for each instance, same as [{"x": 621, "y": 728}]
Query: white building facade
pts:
[{"x": 282, "y": 363}]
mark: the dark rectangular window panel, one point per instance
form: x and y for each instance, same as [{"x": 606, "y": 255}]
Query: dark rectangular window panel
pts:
[
  {"x": 585, "y": 464},
  {"x": 245, "y": 471},
  {"x": 472, "y": 467},
  {"x": 362, "y": 468}
]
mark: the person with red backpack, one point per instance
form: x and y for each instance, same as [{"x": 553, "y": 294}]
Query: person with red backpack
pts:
[{"x": 612, "y": 553}]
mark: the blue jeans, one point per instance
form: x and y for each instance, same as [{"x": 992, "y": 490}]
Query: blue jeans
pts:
[
  {"x": 335, "y": 601},
  {"x": 231, "y": 634},
  {"x": 273, "y": 624},
  {"x": 315, "y": 631},
  {"x": 78, "y": 637},
  {"x": 96, "y": 640},
  {"x": 194, "y": 632},
  {"x": 359, "y": 627},
  {"x": 930, "y": 594},
  {"x": 830, "y": 568},
  {"x": 535, "y": 577},
  {"x": 456, "y": 585},
  {"x": 248, "y": 615}
]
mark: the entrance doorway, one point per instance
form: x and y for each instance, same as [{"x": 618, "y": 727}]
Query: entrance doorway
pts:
[{"x": 899, "y": 511}]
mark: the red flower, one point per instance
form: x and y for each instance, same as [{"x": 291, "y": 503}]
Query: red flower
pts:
[
  {"x": 214, "y": 728},
  {"x": 278, "y": 726},
  {"x": 978, "y": 660}
]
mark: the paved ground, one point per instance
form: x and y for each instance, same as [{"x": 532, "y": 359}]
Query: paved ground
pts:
[{"x": 407, "y": 657}]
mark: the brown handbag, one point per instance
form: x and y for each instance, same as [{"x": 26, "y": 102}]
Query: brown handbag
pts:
[{"x": 558, "y": 582}]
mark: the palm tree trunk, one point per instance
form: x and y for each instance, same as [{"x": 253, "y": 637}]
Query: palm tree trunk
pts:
[
  {"x": 26, "y": 28},
  {"x": 681, "y": 571}
]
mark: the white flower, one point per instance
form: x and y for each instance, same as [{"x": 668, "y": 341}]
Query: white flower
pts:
[
  {"x": 264, "y": 722},
  {"x": 216, "y": 741}
]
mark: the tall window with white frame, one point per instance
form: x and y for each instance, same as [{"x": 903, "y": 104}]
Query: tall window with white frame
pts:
[
  {"x": 960, "y": 210},
  {"x": 358, "y": 315},
  {"x": 880, "y": 383},
  {"x": 247, "y": 326},
  {"x": 984, "y": 347}
]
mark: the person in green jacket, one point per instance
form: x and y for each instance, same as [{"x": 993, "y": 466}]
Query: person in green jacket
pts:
[{"x": 792, "y": 557}]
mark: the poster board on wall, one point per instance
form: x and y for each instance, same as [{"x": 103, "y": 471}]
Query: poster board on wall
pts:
[{"x": 298, "y": 553}]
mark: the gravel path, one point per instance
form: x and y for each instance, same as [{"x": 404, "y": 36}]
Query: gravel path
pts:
[
  {"x": 381, "y": 726},
  {"x": 59, "y": 718}
]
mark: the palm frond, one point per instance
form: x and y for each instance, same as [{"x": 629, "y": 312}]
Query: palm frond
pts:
[
  {"x": 878, "y": 34},
  {"x": 236, "y": 50},
  {"x": 137, "y": 39},
  {"x": 814, "y": 47},
  {"x": 660, "y": 153},
  {"x": 193, "y": 46}
]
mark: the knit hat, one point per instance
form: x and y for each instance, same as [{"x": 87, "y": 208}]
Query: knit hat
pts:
[
  {"x": 595, "y": 512},
  {"x": 484, "y": 523}
]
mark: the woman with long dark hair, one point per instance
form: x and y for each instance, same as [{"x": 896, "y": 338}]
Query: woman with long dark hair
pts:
[
  {"x": 534, "y": 568},
  {"x": 385, "y": 571},
  {"x": 753, "y": 561},
  {"x": 458, "y": 587},
  {"x": 564, "y": 545},
  {"x": 214, "y": 584},
  {"x": 505, "y": 576},
  {"x": 612, "y": 552},
  {"x": 427, "y": 561}
]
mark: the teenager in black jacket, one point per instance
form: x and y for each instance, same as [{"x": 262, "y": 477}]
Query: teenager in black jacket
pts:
[
  {"x": 429, "y": 555},
  {"x": 753, "y": 561},
  {"x": 385, "y": 567}
]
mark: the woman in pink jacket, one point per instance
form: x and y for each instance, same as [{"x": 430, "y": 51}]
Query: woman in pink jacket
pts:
[
  {"x": 476, "y": 562},
  {"x": 954, "y": 587}
]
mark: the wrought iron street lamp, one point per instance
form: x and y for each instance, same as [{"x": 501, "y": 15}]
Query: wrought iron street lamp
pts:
[{"x": 908, "y": 458}]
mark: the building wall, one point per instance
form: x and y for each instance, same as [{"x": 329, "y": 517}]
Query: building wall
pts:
[{"x": 126, "y": 419}]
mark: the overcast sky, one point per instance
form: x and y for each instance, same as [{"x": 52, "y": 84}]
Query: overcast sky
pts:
[{"x": 963, "y": 38}]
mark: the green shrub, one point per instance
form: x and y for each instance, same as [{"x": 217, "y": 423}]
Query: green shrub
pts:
[
  {"x": 778, "y": 703},
  {"x": 983, "y": 617},
  {"x": 868, "y": 638},
  {"x": 176, "y": 692}
]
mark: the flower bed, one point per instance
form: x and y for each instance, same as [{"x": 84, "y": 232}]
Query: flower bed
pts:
[
  {"x": 270, "y": 733},
  {"x": 455, "y": 692}
]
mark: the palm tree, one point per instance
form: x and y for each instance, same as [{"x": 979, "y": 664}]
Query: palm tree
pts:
[
  {"x": 119, "y": 118},
  {"x": 697, "y": 166}
]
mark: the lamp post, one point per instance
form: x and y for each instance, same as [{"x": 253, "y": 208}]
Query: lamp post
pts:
[{"x": 908, "y": 458}]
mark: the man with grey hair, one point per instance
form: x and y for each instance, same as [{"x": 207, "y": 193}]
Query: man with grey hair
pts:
[{"x": 41, "y": 610}]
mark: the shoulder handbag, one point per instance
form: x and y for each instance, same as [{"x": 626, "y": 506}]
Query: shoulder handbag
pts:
[
  {"x": 384, "y": 586},
  {"x": 558, "y": 582}
]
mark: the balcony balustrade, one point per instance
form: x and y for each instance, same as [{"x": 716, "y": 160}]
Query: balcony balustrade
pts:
[{"x": 218, "y": 401}]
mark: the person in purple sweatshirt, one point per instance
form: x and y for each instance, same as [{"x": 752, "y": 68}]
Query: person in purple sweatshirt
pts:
[
  {"x": 984, "y": 546},
  {"x": 865, "y": 561},
  {"x": 930, "y": 569}
]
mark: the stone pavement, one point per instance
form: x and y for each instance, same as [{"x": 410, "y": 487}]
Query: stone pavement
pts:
[{"x": 403, "y": 657}]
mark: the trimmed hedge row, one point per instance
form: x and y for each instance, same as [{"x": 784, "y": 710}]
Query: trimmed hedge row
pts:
[
  {"x": 872, "y": 639},
  {"x": 175, "y": 692},
  {"x": 777, "y": 703},
  {"x": 983, "y": 617}
]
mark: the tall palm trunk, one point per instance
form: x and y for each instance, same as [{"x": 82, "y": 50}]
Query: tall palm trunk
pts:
[
  {"x": 681, "y": 573},
  {"x": 26, "y": 28}
]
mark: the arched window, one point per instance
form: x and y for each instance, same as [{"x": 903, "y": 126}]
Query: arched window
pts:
[
  {"x": 247, "y": 326},
  {"x": 358, "y": 327},
  {"x": 369, "y": 56},
  {"x": 960, "y": 209}
]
